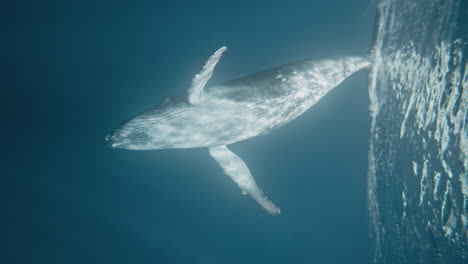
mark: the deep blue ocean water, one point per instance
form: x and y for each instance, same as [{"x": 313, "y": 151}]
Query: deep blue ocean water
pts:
[
  {"x": 75, "y": 70},
  {"x": 78, "y": 69}
]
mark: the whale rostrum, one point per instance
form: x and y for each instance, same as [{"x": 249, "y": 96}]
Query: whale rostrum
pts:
[{"x": 214, "y": 116}]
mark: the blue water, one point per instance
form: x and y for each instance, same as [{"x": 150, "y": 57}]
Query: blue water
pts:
[
  {"x": 418, "y": 170},
  {"x": 78, "y": 69},
  {"x": 75, "y": 70}
]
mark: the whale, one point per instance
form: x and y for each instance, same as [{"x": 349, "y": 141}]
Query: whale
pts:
[{"x": 215, "y": 116}]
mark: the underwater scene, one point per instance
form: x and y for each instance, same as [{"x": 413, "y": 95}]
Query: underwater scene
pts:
[{"x": 236, "y": 131}]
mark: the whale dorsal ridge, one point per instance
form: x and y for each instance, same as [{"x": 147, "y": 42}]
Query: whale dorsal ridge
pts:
[{"x": 200, "y": 80}]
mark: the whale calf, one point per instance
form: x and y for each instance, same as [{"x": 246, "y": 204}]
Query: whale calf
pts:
[{"x": 216, "y": 116}]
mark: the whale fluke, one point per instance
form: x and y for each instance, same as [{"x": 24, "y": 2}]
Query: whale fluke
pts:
[{"x": 235, "y": 168}]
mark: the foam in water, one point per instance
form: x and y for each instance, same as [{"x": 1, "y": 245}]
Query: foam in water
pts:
[{"x": 418, "y": 147}]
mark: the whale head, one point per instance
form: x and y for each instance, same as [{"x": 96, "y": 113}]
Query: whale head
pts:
[{"x": 149, "y": 130}]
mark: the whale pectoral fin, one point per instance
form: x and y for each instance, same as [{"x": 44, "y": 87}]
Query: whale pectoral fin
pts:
[
  {"x": 200, "y": 80},
  {"x": 235, "y": 168}
]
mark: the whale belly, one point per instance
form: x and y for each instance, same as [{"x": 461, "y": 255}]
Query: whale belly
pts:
[{"x": 221, "y": 121}]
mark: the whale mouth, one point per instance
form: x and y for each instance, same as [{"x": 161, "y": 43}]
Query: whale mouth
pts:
[
  {"x": 110, "y": 142},
  {"x": 113, "y": 141}
]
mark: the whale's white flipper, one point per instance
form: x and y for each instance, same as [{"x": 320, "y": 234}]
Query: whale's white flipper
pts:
[
  {"x": 200, "y": 80},
  {"x": 235, "y": 168}
]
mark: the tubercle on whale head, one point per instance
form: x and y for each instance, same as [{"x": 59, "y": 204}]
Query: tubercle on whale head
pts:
[
  {"x": 107, "y": 139},
  {"x": 113, "y": 142}
]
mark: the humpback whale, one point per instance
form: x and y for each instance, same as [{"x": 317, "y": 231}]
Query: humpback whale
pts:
[{"x": 215, "y": 116}]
